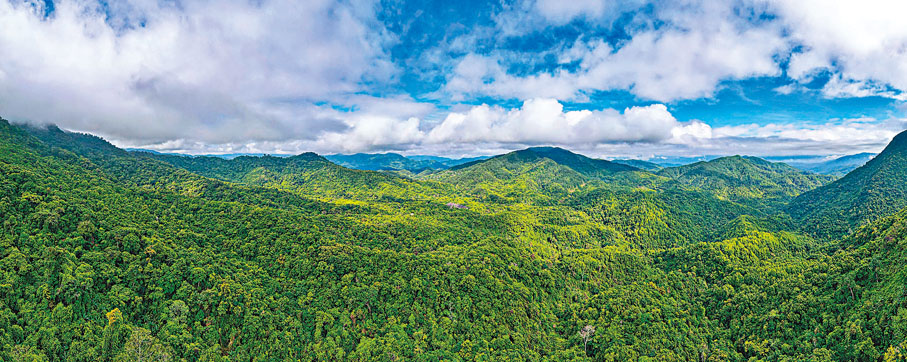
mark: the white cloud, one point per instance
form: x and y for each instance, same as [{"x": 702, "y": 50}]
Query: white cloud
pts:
[
  {"x": 786, "y": 89},
  {"x": 860, "y": 40},
  {"x": 837, "y": 87},
  {"x": 700, "y": 44},
  {"x": 634, "y": 132},
  {"x": 282, "y": 75},
  {"x": 216, "y": 71},
  {"x": 543, "y": 121},
  {"x": 697, "y": 48}
]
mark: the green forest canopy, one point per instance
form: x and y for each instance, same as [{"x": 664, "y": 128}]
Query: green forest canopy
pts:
[{"x": 540, "y": 254}]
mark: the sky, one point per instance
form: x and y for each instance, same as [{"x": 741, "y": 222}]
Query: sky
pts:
[{"x": 627, "y": 79}]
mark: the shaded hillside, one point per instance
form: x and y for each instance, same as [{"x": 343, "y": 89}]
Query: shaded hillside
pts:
[
  {"x": 640, "y": 164},
  {"x": 449, "y": 162},
  {"x": 136, "y": 170},
  {"x": 874, "y": 190}
]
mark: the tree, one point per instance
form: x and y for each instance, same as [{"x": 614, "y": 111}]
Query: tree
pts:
[
  {"x": 143, "y": 347},
  {"x": 586, "y": 333}
]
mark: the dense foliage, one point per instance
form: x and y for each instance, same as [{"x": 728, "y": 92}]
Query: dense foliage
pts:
[
  {"x": 747, "y": 180},
  {"x": 108, "y": 255},
  {"x": 875, "y": 190}
]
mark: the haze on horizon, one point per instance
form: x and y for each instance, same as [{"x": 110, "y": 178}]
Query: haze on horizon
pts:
[{"x": 631, "y": 79}]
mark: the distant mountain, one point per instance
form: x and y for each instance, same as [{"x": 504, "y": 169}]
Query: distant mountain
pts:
[
  {"x": 874, "y": 190},
  {"x": 385, "y": 162},
  {"x": 584, "y": 165},
  {"x": 674, "y": 161},
  {"x": 837, "y": 166},
  {"x": 226, "y": 156},
  {"x": 640, "y": 164},
  {"x": 449, "y": 162},
  {"x": 746, "y": 179},
  {"x": 307, "y": 174}
]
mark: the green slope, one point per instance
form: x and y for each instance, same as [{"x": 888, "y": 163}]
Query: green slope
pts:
[
  {"x": 874, "y": 190},
  {"x": 306, "y": 174},
  {"x": 748, "y": 180},
  {"x": 539, "y": 174}
]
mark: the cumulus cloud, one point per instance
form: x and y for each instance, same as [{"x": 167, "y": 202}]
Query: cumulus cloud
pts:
[
  {"x": 687, "y": 49},
  {"x": 697, "y": 48},
  {"x": 541, "y": 121},
  {"x": 860, "y": 41},
  {"x": 289, "y": 76},
  {"x": 155, "y": 71}
]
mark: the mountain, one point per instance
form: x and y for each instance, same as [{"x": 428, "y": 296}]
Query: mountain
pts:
[
  {"x": 584, "y": 165},
  {"x": 874, "y": 190},
  {"x": 449, "y": 162},
  {"x": 135, "y": 170},
  {"x": 640, "y": 164},
  {"x": 385, "y": 162},
  {"x": 306, "y": 174},
  {"x": 746, "y": 179},
  {"x": 534, "y": 173},
  {"x": 839, "y": 166},
  {"x": 228, "y": 156},
  {"x": 674, "y": 161},
  {"x": 874, "y": 259}
]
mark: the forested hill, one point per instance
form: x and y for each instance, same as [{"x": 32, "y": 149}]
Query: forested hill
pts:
[
  {"x": 533, "y": 173},
  {"x": 579, "y": 163},
  {"x": 749, "y": 180},
  {"x": 874, "y": 190},
  {"x": 537, "y": 255},
  {"x": 306, "y": 174}
]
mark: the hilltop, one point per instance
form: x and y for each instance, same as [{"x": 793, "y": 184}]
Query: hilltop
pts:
[{"x": 746, "y": 179}]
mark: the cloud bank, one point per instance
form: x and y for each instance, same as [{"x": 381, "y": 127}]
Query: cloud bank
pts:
[{"x": 340, "y": 76}]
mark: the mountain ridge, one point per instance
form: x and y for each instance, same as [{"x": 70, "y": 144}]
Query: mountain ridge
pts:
[{"x": 871, "y": 191}]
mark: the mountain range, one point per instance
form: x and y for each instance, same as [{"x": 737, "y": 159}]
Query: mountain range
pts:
[
  {"x": 538, "y": 254},
  {"x": 397, "y": 162}
]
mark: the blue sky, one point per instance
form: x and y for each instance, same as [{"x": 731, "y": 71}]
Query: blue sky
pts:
[{"x": 633, "y": 78}]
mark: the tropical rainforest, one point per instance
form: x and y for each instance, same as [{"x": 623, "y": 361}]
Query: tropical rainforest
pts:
[{"x": 536, "y": 255}]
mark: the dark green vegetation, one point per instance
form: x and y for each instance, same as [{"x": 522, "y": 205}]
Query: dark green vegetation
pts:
[
  {"x": 540, "y": 254},
  {"x": 640, "y": 164}
]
